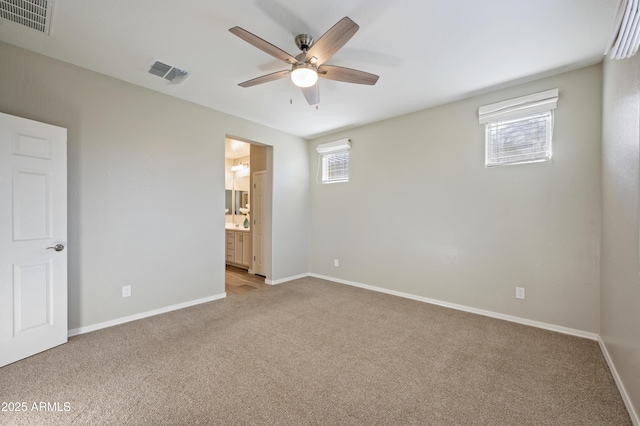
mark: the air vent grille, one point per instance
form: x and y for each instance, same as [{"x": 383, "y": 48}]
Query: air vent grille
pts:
[
  {"x": 34, "y": 14},
  {"x": 175, "y": 74},
  {"x": 159, "y": 69},
  {"x": 172, "y": 74}
]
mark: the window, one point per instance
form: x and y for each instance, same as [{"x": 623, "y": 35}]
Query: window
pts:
[
  {"x": 333, "y": 165},
  {"x": 519, "y": 140},
  {"x": 519, "y": 130}
]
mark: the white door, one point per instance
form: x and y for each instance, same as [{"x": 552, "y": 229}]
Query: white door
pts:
[
  {"x": 257, "y": 207},
  {"x": 33, "y": 236}
]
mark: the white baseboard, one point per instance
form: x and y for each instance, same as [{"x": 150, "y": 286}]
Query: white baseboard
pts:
[
  {"x": 118, "y": 321},
  {"x": 284, "y": 280},
  {"x": 511, "y": 318},
  {"x": 623, "y": 391}
]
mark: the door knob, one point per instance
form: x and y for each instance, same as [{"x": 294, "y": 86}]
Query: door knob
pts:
[{"x": 57, "y": 247}]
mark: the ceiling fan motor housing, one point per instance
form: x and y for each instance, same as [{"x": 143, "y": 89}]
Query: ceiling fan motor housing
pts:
[{"x": 304, "y": 41}]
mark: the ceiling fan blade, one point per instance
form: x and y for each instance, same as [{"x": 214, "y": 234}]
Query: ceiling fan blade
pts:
[
  {"x": 331, "y": 41},
  {"x": 312, "y": 94},
  {"x": 263, "y": 45},
  {"x": 265, "y": 78},
  {"x": 348, "y": 75}
]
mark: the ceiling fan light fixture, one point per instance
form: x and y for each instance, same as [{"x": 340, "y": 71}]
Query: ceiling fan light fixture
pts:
[{"x": 304, "y": 75}]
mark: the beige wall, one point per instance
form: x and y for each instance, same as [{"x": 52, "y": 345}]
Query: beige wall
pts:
[
  {"x": 258, "y": 158},
  {"x": 422, "y": 215},
  {"x": 146, "y": 187},
  {"x": 620, "y": 279}
]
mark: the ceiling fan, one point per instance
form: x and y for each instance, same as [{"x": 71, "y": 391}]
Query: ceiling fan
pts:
[{"x": 307, "y": 66}]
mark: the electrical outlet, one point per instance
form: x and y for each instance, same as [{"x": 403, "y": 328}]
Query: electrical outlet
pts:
[
  {"x": 126, "y": 291},
  {"x": 336, "y": 263},
  {"x": 520, "y": 292}
]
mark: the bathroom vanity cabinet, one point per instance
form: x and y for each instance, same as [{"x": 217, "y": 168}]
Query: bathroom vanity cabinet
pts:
[{"x": 238, "y": 247}]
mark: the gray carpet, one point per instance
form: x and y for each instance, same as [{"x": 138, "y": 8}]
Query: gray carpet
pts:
[{"x": 312, "y": 352}]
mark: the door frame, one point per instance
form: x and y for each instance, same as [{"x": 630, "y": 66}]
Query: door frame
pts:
[{"x": 268, "y": 244}]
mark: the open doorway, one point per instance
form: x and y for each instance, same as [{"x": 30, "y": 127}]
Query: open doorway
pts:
[{"x": 247, "y": 214}]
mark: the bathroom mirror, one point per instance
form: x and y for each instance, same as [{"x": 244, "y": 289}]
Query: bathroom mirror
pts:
[
  {"x": 242, "y": 199},
  {"x": 228, "y": 205}
]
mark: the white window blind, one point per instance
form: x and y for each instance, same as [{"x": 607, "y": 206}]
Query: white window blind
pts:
[
  {"x": 519, "y": 140},
  {"x": 625, "y": 39},
  {"x": 519, "y": 130},
  {"x": 333, "y": 165}
]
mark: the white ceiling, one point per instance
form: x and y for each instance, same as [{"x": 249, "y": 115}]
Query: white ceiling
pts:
[
  {"x": 236, "y": 149},
  {"x": 426, "y": 52}
]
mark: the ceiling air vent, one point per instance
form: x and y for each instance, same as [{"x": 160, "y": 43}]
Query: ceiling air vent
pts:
[
  {"x": 34, "y": 14},
  {"x": 172, "y": 74}
]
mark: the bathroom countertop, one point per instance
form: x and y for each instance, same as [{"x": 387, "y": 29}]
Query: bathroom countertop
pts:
[{"x": 231, "y": 227}]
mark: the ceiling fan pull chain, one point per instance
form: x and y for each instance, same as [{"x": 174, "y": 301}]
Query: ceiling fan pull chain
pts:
[{"x": 290, "y": 92}]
